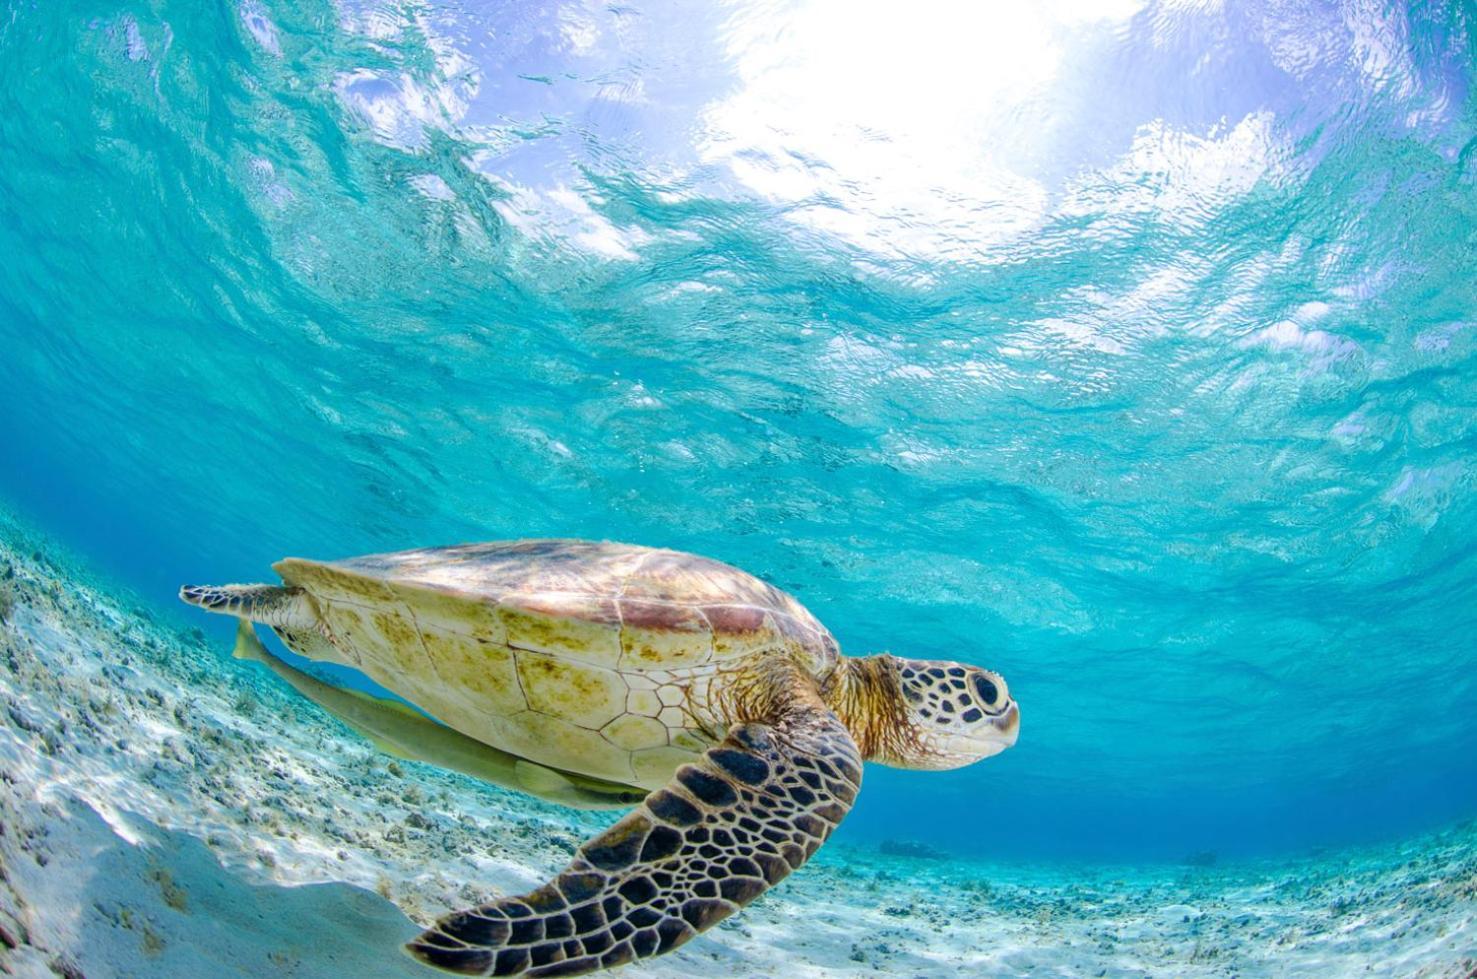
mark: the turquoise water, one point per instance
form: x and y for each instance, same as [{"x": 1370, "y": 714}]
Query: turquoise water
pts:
[{"x": 1129, "y": 353}]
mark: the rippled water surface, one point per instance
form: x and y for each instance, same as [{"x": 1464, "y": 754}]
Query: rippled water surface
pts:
[{"x": 1125, "y": 348}]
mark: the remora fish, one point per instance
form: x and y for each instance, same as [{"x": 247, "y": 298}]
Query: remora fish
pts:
[{"x": 404, "y": 732}]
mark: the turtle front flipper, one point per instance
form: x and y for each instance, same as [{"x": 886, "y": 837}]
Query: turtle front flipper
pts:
[{"x": 726, "y": 829}]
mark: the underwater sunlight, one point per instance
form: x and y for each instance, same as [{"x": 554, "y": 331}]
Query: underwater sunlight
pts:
[{"x": 1060, "y": 417}]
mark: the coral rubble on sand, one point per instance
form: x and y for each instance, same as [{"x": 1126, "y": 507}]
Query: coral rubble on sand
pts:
[{"x": 166, "y": 811}]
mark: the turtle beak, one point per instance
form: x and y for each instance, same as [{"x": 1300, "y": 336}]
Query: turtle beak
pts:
[
  {"x": 985, "y": 740},
  {"x": 1009, "y": 725},
  {"x": 1000, "y": 733}
]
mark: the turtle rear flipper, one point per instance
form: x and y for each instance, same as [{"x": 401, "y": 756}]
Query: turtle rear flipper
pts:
[
  {"x": 720, "y": 834},
  {"x": 274, "y": 605}
]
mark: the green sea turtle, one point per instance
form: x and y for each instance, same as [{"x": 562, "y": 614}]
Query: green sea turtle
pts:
[{"x": 714, "y": 692}]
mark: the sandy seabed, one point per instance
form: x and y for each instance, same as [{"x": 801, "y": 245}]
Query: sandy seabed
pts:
[{"x": 166, "y": 811}]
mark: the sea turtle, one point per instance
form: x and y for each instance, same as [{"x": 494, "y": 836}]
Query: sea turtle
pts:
[{"x": 716, "y": 693}]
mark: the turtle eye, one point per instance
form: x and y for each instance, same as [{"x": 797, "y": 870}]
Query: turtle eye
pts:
[{"x": 986, "y": 690}]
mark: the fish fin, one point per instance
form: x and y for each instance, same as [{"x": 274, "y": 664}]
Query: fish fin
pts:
[{"x": 248, "y": 645}]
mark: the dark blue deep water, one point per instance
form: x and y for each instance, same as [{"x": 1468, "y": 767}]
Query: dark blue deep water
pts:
[{"x": 1128, "y": 349}]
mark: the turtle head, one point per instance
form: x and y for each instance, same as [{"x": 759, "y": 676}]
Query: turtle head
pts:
[
  {"x": 926, "y": 714},
  {"x": 956, "y": 714}
]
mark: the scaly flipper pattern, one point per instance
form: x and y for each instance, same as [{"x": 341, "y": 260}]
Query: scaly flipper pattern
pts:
[
  {"x": 273, "y": 605},
  {"x": 725, "y": 830}
]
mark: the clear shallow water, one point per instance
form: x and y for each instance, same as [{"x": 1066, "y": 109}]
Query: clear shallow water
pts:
[{"x": 1129, "y": 353}]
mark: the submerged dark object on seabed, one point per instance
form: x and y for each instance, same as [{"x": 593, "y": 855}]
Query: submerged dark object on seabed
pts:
[
  {"x": 639, "y": 669},
  {"x": 1201, "y": 858},
  {"x": 911, "y": 849}
]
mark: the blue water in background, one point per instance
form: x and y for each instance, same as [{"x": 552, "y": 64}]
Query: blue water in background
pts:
[{"x": 1128, "y": 350}]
